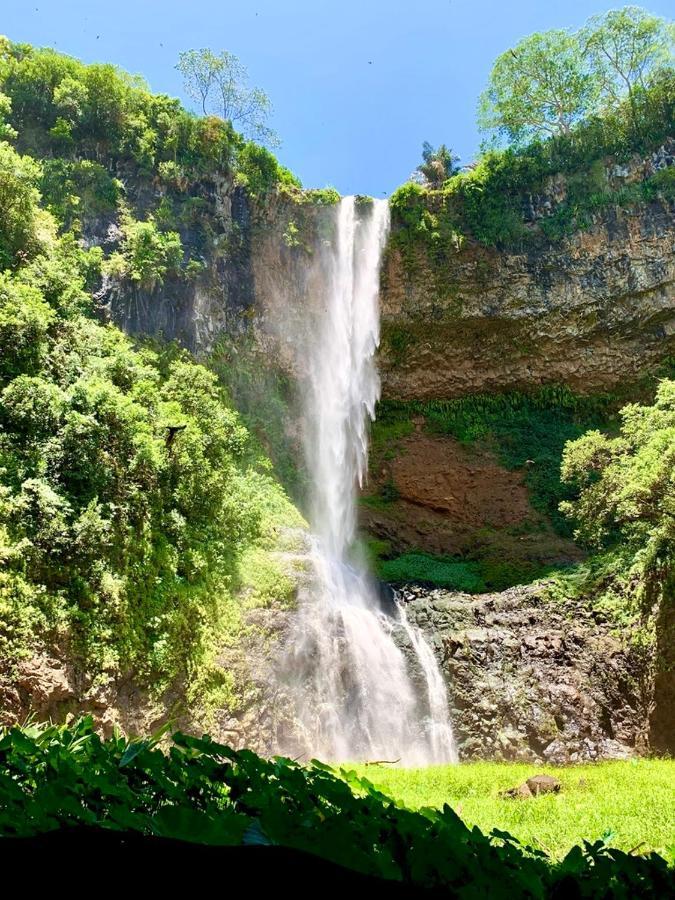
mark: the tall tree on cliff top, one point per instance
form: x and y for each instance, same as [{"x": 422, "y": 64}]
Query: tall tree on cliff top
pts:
[
  {"x": 537, "y": 89},
  {"x": 550, "y": 80},
  {"x": 623, "y": 47},
  {"x": 436, "y": 166},
  {"x": 219, "y": 84}
]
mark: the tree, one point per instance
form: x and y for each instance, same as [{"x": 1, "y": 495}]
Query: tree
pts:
[
  {"x": 218, "y": 82},
  {"x": 6, "y": 130},
  {"x": 20, "y": 216},
  {"x": 537, "y": 89},
  {"x": 626, "y": 489},
  {"x": 623, "y": 46},
  {"x": 437, "y": 165}
]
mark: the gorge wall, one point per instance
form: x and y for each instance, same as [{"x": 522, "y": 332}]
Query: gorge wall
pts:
[{"x": 591, "y": 311}]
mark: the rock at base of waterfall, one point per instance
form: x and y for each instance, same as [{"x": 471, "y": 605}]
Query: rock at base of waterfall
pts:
[{"x": 532, "y": 678}]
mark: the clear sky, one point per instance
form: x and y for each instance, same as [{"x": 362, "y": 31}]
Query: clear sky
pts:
[{"x": 357, "y": 85}]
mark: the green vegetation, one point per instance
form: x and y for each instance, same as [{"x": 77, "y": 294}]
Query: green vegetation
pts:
[
  {"x": 487, "y": 567},
  {"x": 260, "y": 173},
  {"x": 204, "y": 792},
  {"x": 437, "y": 165},
  {"x": 87, "y": 123},
  {"x": 565, "y": 102},
  {"x": 538, "y": 88},
  {"x": 70, "y": 187},
  {"x": 147, "y": 255},
  {"x": 625, "y": 804},
  {"x": 63, "y": 108},
  {"x": 487, "y": 202},
  {"x": 218, "y": 82},
  {"x": 138, "y": 517},
  {"x": 454, "y": 574},
  {"x": 624, "y": 509},
  {"x": 551, "y": 80},
  {"x": 136, "y": 514}
]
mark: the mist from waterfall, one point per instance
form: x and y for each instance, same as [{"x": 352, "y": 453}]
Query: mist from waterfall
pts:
[{"x": 345, "y": 668}]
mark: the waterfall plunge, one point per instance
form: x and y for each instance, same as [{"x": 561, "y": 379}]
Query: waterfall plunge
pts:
[{"x": 346, "y": 673}]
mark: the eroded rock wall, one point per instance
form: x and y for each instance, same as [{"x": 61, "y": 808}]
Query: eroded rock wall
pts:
[
  {"x": 530, "y": 678},
  {"x": 589, "y": 312}
]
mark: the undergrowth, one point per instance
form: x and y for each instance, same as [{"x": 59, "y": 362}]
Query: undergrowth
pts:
[{"x": 204, "y": 792}]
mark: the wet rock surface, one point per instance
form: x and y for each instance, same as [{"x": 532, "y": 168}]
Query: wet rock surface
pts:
[{"x": 534, "y": 679}]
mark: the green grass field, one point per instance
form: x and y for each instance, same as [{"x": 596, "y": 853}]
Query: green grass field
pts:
[{"x": 630, "y": 804}]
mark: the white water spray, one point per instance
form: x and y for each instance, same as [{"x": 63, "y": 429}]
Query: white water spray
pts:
[{"x": 347, "y": 674}]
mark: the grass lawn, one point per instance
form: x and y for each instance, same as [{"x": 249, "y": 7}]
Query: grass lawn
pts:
[{"x": 627, "y": 803}]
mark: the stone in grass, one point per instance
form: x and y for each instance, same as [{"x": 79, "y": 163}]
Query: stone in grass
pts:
[
  {"x": 543, "y": 784},
  {"x": 521, "y": 791},
  {"x": 538, "y": 784}
]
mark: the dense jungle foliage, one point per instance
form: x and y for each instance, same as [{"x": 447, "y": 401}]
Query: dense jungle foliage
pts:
[
  {"x": 205, "y": 792},
  {"x": 624, "y": 506},
  {"x": 109, "y": 149},
  {"x": 62, "y": 108},
  {"x": 134, "y": 506}
]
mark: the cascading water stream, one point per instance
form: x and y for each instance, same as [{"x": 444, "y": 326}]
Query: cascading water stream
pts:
[{"x": 346, "y": 672}]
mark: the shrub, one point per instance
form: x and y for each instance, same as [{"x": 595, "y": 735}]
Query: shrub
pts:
[
  {"x": 148, "y": 255},
  {"x": 444, "y": 572},
  {"x": 130, "y": 492},
  {"x": 207, "y": 793},
  {"x": 20, "y": 216},
  {"x": 25, "y": 318},
  {"x": 625, "y": 487}
]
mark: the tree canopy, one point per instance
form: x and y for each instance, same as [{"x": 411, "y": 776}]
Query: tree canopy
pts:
[
  {"x": 437, "y": 165},
  {"x": 218, "y": 82},
  {"x": 624, "y": 46},
  {"x": 552, "y": 79},
  {"x": 538, "y": 88}
]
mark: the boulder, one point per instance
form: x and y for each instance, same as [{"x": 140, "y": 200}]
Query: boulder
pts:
[
  {"x": 543, "y": 784},
  {"x": 521, "y": 792}
]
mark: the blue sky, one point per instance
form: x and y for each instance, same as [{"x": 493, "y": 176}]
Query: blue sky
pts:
[{"x": 357, "y": 85}]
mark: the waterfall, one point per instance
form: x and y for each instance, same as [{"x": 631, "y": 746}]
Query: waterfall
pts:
[{"x": 345, "y": 668}]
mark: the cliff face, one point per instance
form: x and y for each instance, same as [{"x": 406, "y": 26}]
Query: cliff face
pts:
[
  {"x": 532, "y": 679},
  {"x": 194, "y": 311},
  {"x": 589, "y": 312}
]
